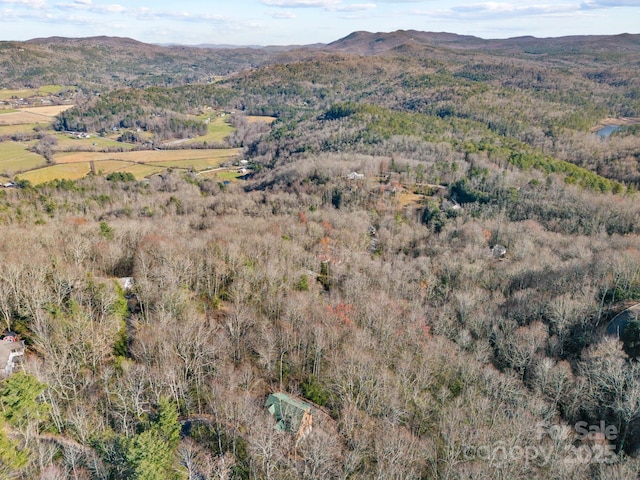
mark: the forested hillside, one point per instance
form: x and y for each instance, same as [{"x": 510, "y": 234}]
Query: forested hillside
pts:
[
  {"x": 428, "y": 251},
  {"x": 105, "y": 62}
]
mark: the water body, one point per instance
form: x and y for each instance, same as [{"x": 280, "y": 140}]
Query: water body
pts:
[{"x": 607, "y": 130}]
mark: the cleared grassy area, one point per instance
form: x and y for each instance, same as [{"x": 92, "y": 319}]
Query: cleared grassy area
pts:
[
  {"x": 15, "y": 157},
  {"x": 108, "y": 166},
  {"x": 8, "y": 94},
  {"x": 142, "y": 171},
  {"x": 20, "y": 117},
  {"x": 138, "y": 170},
  {"x": 218, "y": 130},
  {"x": 50, "y": 89},
  {"x": 95, "y": 143},
  {"x": 7, "y": 110},
  {"x": 222, "y": 175},
  {"x": 151, "y": 156},
  {"x": 198, "y": 164},
  {"x": 72, "y": 171},
  {"x": 260, "y": 118},
  {"x": 20, "y": 128},
  {"x": 406, "y": 198},
  {"x": 47, "y": 111}
]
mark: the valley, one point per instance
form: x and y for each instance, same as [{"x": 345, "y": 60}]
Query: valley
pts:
[{"x": 396, "y": 255}]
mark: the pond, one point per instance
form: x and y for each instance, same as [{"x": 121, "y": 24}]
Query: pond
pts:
[{"x": 607, "y": 130}]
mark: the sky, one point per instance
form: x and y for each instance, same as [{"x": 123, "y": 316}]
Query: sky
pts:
[{"x": 295, "y": 22}]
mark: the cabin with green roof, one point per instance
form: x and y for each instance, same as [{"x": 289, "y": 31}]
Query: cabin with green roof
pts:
[{"x": 291, "y": 414}]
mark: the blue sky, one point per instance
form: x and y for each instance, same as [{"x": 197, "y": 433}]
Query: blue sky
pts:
[{"x": 285, "y": 22}]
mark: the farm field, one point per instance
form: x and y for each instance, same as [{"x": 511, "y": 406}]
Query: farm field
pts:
[
  {"x": 218, "y": 130},
  {"x": 95, "y": 142},
  {"x": 191, "y": 164},
  {"x": 8, "y": 94},
  {"x": 20, "y": 128},
  {"x": 15, "y": 157},
  {"x": 48, "y": 110},
  {"x": 140, "y": 170},
  {"x": 72, "y": 171},
  {"x": 260, "y": 118},
  {"x": 141, "y": 164},
  {"x": 221, "y": 175},
  {"x": 32, "y": 115},
  {"x": 23, "y": 116},
  {"x": 214, "y": 157}
]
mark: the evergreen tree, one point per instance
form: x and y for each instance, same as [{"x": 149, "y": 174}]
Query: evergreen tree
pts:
[{"x": 151, "y": 454}]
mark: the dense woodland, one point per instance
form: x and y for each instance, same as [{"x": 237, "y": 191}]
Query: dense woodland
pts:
[{"x": 381, "y": 298}]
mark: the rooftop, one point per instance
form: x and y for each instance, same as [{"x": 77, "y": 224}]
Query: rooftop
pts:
[{"x": 287, "y": 410}]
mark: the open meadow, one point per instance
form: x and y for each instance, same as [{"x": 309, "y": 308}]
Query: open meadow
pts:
[
  {"x": 14, "y": 157},
  {"x": 213, "y": 157},
  {"x": 22, "y": 128},
  {"x": 74, "y": 165},
  {"x": 8, "y": 94},
  {"x": 67, "y": 143},
  {"x": 260, "y": 118},
  {"x": 94, "y": 156},
  {"x": 71, "y": 171},
  {"x": 20, "y": 117},
  {"x": 218, "y": 129}
]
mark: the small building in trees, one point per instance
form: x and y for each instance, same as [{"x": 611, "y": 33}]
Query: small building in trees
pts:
[
  {"x": 126, "y": 283},
  {"x": 291, "y": 414},
  {"x": 11, "y": 347},
  {"x": 618, "y": 324},
  {"x": 499, "y": 251}
]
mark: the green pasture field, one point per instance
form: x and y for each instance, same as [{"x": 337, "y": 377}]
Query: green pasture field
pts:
[
  {"x": 21, "y": 128},
  {"x": 7, "y": 110},
  {"x": 15, "y": 157},
  {"x": 138, "y": 170},
  {"x": 50, "y": 89},
  {"x": 195, "y": 164},
  {"x": 151, "y": 156},
  {"x": 75, "y": 165},
  {"x": 69, "y": 171},
  {"x": 222, "y": 175},
  {"x": 141, "y": 171},
  {"x": 107, "y": 166},
  {"x": 8, "y": 94},
  {"x": 219, "y": 129},
  {"x": 66, "y": 142},
  {"x": 260, "y": 118}
]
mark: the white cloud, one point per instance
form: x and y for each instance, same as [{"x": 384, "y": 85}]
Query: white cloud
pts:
[
  {"x": 285, "y": 15},
  {"x": 110, "y": 9},
  {"x": 592, "y": 4},
  {"x": 356, "y": 7},
  {"x": 28, "y": 3},
  {"x": 326, "y": 4},
  {"x": 510, "y": 9}
]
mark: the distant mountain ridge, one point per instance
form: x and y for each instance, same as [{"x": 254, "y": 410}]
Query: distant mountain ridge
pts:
[
  {"x": 103, "y": 61},
  {"x": 366, "y": 43}
]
